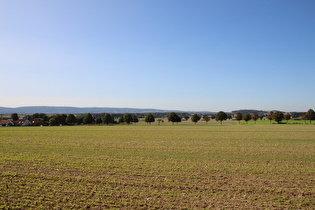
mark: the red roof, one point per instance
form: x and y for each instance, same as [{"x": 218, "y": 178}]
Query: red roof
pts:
[{"x": 5, "y": 121}]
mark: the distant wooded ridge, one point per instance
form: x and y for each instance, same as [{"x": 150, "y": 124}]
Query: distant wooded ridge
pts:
[
  {"x": 78, "y": 110},
  {"x": 94, "y": 110}
]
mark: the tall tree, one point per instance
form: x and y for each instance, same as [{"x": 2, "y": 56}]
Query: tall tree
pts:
[
  {"x": 149, "y": 118},
  {"x": 41, "y": 116},
  {"x": 255, "y": 117},
  {"x": 59, "y": 119},
  {"x": 247, "y": 117},
  {"x": 220, "y": 116},
  {"x": 135, "y": 118},
  {"x": 107, "y": 119},
  {"x": 128, "y": 118},
  {"x": 195, "y": 118},
  {"x": 304, "y": 117},
  {"x": 98, "y": 120},
  {"x": 63, "y": 119},
  {"x": 14, "y": 116},
  {"x": 52, "y": 121},
  {"x": 173, "y": 117},
  {"x": 88, "y": 119},
  {"x": 71, "y": 119},
  {"x": 277, "y": 116},
  {"x": 121, "y": 119},
  {"x": 287, "y": 116},
  {"x": 310, "y": 115},
  {"x": 206, "y": 118},
  {"x": 238, "y": 117},
  {"x": 80, "y": 119},
  {"x": 35, "y": 115}
]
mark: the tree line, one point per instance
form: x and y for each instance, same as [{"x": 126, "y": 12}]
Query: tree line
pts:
[
  {"x": 127, "y": 118},
  {"x": 107, "y": 119},
  {"x": 274, "y": 115}
]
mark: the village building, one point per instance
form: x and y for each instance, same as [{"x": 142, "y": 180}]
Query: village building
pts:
[{"x": 8, "y": 122}]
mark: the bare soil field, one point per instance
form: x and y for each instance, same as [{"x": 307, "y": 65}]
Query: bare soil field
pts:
[{"x": 158, "y": 167}]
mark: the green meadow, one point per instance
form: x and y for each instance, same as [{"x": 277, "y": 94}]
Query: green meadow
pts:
[{"x": 184, "y": 166}]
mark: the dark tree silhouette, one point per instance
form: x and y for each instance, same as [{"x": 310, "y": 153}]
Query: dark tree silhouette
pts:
[
  {"x": 310, "y": 115},
  {"x": 128, "y": 118},
  {"x": 80, "y": 120},
  {"x": 255, "y": 117},
  {"x": 173, "y": 117},
  {"x": 304, "y": 117},
  {"x": 287, "y": 116},
  {"x": 277, "y": 116},
  {"x": 60, "y": 119},
  {"x": 121, "y": 120},
  {"x": 149, "y": 118},
  {"x": 52, "y": 121},
  {"x": 135, "y": 119},
  {"x": 107, "y": 119},
  {"x": 71, "y": 119},
  {"x": 15, "y": 116},
  {"x": 206, "y": 118},
  {"x": 269, "y": 117},
  {"x": 247, "y": 117},
  {"x": 98, "y": 120},
  {"x": 195, "y": 118},
  {"x": 220, "y": 116},
  {"x": 238, "y": 117},
  {"x": 88, "y": 119}
]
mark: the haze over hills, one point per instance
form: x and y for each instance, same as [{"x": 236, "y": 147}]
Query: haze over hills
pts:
[
  {"x": 93, "y": 110},
  {"x": 77, "y": 110}
]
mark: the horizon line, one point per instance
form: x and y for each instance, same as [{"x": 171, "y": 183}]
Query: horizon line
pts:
[{"x": 158, "y": 109}]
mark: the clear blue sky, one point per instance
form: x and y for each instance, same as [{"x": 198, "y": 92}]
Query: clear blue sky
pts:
[{"x": 197, "y": 55}]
